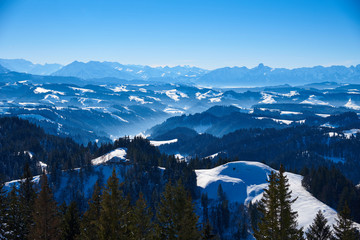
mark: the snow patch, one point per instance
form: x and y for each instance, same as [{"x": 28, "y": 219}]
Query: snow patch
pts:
[
  {"x": 40, "y": 90},
  {"x": 267, "y": 98},
  {"x": 117, "y": 155},
  {"x": 314, "y": 100},
  {"x": 352, "y": 105},
  {"x": 159, "y": 143}
]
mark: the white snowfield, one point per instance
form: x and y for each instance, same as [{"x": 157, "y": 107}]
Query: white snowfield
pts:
[
  {"x": 117, "y": 154},
  {"x": 244, "y": 181},
  {"x": 159, "y": 143}
]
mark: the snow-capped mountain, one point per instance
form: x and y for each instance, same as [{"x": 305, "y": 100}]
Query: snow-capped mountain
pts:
[
  {"x": 94, "y": 69},
  {"x": 263, "y": 75},
  {"x": 21, "y": 65}
]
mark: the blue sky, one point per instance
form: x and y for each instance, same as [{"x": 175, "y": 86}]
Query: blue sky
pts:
[{"x": 204, "y": 33}]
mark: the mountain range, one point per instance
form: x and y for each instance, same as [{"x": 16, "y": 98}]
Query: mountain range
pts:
[{"x": 260, "y": 75}]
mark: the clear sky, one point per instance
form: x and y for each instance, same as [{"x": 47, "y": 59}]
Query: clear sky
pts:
[{"x": 204, "y": 33}]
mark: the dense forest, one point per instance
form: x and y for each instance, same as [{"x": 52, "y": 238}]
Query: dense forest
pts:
[
  {"x": 151, "y": 185},
  {"x": 30, "y": 213},
  {"x": 295, "y": 147},
  {"x": 22, "y": 142}
]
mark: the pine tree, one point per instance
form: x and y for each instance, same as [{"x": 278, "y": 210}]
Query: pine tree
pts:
[
  {"x": 175, "y": 216},
  {"x": 71, "y": 222},
  {"x": 14, "y": 218},
  {"x": 27, "y": 197},
  {"x": 89, "y": 224},
  {"x": 319, "y": 230},
  {"x": 143, "y": 228},
  {"x": 278, "y": 221},
  {"x": 3, "y": 211},
  {"x": 46, "y": 219},
  {"x": 207, "y": 233},
  {"x": 115, "y": 212},
  {"x": 344, "y": 229},
  {"x": 288, "y": 224}
]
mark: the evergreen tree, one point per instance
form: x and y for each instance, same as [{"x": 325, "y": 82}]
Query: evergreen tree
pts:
[
  {"x": 175, "y": 216},
  {"x": 222, "y": 211},
  {"x": 344, "y": 229},
  {"x": 115, "y": 212},
  {"x": 27, "y": 197},
  {"x": 287, "y": 217},
  {"x": 14, "y": 218},
  {"x": 3, "y": 211},
  {"x": 207, "y": 233},
  {"x": 143, "y": 227},
  {"x": 268, "y": 227},
  {"x": 89, "y": 224},
  {"x": 71, "y": 222},
  {"x": 46, "y": 219},
  {"x": 319, "y": 230},
  {"x": 278, "y": 221}
]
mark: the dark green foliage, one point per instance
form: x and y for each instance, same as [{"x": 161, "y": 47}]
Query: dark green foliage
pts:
[
  {"x": 14, "y": 220},
  {"x": 268, "y": 227},
  {"x": 344, "y": 229},
  {"x": 288, "y": 223},
  {"x": 27, "y": 197},
  {"x": 222, "y": 213},
  {"x": 143, "y": 227},
  {"x": 89, "y": 224},
  {"x": 45, "y": 214},
  {"x": 278, "y": 221},
  {"x": 204, "y": 204},
  {"x": 115, "y": 215},
  {"x": 70, "y": 222},
  {"x": 330, "y": 186},
  {"x": 207, "y": 233},
  {"x": 175, "y": 216},
  {"x": 3, "y": 209},
  {"x": 319, "y": 230},
  {"x": 18, "y": 136}
]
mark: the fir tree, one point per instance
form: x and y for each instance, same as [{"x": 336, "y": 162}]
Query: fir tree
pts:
[
  {"x": 319, "y": 230},
  {"x": 344, "y": 229},
  {"x": 89, "y": 224},
  {"x": 3, "y": 211},
  {"x": 207, "y": 233},
  {"x": 143, "y": 227},
  {"x": 71, "y": 222},
  {"x": 115, "y": 213},
  {"x": 278, "y": 221},
  {"x": 175, "y": 216},
  {"x": 46, "y": 219},
  {"x": 268, "y": 227},
  {"x": 27, "y": 197},
  {"x": 14, "y": 218},
  {"x": 287, "y": 217}
]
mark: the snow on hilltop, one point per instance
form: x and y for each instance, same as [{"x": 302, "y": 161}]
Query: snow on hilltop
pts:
[
  {"x": 244, "y": 181},
  {"x": 115, "y": 155},
  {"x": 159, "y": 143}
]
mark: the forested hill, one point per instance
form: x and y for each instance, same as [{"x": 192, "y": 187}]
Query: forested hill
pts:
[{"x": 22, "y": 142}]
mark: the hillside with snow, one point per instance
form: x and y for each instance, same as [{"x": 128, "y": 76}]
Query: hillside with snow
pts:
[{"x": 244, "y": 181}]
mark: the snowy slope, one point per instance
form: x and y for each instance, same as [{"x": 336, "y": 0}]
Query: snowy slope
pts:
[
  {"x": 244, "y": 181},
  {"x": 115, "y": 155}
]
